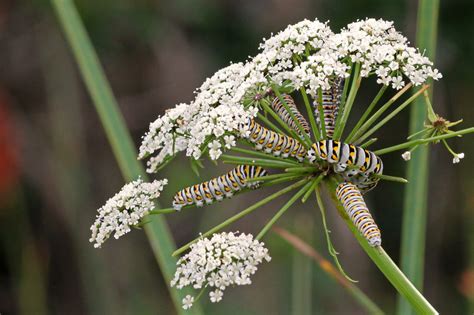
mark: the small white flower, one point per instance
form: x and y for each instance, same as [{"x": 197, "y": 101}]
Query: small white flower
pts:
[
  {"x": 229, "y": 141},
  {"x": 188, "y": 302},
  {"x": 224, "y": 260},
  {"x": 215, "y": 296},
  {"x": 458, "y": 157},
  {"x": 125, "y": 210},
  {"x": 406, "y": 155}
]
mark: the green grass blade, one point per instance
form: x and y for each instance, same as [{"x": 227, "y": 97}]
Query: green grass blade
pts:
[
  {"x": 386, "y": 265},
  {"x": 414, "y": 213},
  {"x": 118, "y": 135}
]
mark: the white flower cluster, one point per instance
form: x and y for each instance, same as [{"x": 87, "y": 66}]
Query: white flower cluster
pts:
[
  {"x": 307, "y": 54},
  {"x": 224, "y": 260},
  {"x": 125, "y": 209},
  {"x": 216, "y": 110},
  {"x": 458, "y": 157},
  {"x": 377, "y": 47},
  {"x": 294, "y": 44}
]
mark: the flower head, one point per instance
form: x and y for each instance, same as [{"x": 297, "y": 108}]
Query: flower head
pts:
[
  {"x": 226, "y": 259},
  {"x": 188, "y": 302},
  {"x": 125, "y": 209},
  {"x": 458, "y": 157},
  {"x": 406, "y": 155}
]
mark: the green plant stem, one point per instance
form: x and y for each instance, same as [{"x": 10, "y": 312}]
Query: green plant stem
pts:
[
  {"x": 270, "y": 124},
  {"x": 385, "y": 263},
  {"x": 368, "y": 143},
  {"x": 344, "y": 91},
  {"x": 412, "y": 143},
  {"x": 241, "y": 215},
  {"x": 366, "y": 125},
  {"x": 283, "y": 209},
  {"x": 163, "y": 211},
  {"x": 309, "y": 110},
  {"x": 341, "y": 121},
  {"x": 392, "y": 114},
  {"x": 392, "y": 178},
  {"x": 230, "y": 159},
  {"x": 157, "y": 231},
  {"x": 315, "y": 183},
  {"x": 367, "y": 112},
  {"x": 322, "y": 121},
  {"x": 264, "y": 155},
  {"x": 271, "y": 177},
  {"x": 330, "y": 270},
  {"x": 301, "y": 130},
  {"x": 302, "y": 169},
  {"x": 331, "y": 249},
  {"x": 412, "y": 250},
  {"x": 282, "y": 180}
]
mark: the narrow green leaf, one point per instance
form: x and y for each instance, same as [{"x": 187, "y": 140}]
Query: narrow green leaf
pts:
[
  {"x": 412, "y": 250},
  {"x": 157, "y": 231}
]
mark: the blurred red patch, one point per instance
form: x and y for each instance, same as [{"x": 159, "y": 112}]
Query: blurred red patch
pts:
[
  {"x": 466, "y": 283},
  {"x": 9, "y": 171}
]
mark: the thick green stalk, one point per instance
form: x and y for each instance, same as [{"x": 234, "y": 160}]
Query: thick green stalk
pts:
[
  {"x": 341, "y": 120},
  {"x": 412, "y": 252},
  {"x": 386, "y": 265},
  {"x": 117, "y": 134},
  {"x": 241, "y": 214},
  {"x": 412, "y": 143}
]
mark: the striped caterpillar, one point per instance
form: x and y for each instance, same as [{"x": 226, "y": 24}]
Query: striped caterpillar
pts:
[
  {"x": 218, "y": 187},
  {"x": 355, "y": 207},
  {"x": 281, "y": 111},
  {"x": 331, "y": 99},
  {"x": 355, "y": 164},
  {"x": 272, "y": 142}
]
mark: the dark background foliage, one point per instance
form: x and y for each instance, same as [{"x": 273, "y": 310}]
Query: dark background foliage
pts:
[{"x": 56, "y": 167}]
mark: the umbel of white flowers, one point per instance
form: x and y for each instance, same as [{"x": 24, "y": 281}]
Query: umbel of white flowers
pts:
[
  {"x": 307, "y": 54},
  {"x": 224, "y": 260},
  {"x": 125, "y": 209}
]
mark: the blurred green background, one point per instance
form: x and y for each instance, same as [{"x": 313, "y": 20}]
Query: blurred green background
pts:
[{"x": 56, "y": 166}]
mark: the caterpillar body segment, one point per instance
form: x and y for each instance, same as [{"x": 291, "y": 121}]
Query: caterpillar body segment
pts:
[
  {"x": 331, "y": 100},
  {"x": 354, "y": 205},
  {"x": 218, "y": 188},
  {"x": 283, "y": 113},
  {"x": 355, "y": 164},
  {"x": 271, "y": 142}
]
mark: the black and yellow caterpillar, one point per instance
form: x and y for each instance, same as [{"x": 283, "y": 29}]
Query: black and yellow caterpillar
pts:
[
  {"x": 354, "y": 163},
  {"x": 331, "y": 99},
  {"x": 283, "y": 113},
  {"x": 355, "y": 207},
  {"x": 275, "y": 143},
  {"x": 218, "y": 187}
]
